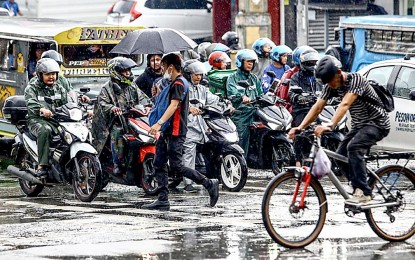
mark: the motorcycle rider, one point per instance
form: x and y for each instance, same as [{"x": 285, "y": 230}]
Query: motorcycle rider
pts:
[
  {"x": 304, "y": 79},
  {"x": 231, "y": 39},
  {"x": 196, "y": 133},
  {"x": 219, "y": 60},
  {"x": 151, "y": 73},
  {"x": 370, "y": 121},
  {"x": 39, "y": 111},
  {"x": 118, "y": 93},
  {"x": 169, "y": 146},
  {"x": 245, "y": 61},
  {"x": 282, "y": 88},
  {"x": 279, "y": 57},
  {"x": 201, "y": 50},
  {"x": 262, "y": 48}
]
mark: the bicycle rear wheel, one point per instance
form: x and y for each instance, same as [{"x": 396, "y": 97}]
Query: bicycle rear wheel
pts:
[
  {"x": 287, "y": 223},
  {"x": 394, "y": 223}
]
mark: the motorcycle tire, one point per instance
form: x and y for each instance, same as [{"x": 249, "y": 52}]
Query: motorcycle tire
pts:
[
  {"x": 31, "y": 190},
  {"x": 87, "y": 180},
  {"x": 281, "y": 157},
  {"x": 148, "y": 178},
  {"x": 233, "y": 172}
]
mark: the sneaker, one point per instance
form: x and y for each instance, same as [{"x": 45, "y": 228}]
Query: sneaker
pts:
[
  {"x": 359, "y": 198},
  {"x": 190, "y": 188},
  {"x": 213, "y": 192},
  {"x": 158, "y": 205}
]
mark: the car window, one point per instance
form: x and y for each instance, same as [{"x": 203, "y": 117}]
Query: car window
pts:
[
  {"x": 162, "y": 4},
  {"x": 192, "y": 4},
  {"x": 122, "y": 7},
  {"x": 405, "y": 82},
  {"x": 380, "y": 74}
]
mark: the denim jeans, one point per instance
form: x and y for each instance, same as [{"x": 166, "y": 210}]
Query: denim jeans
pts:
[{"x": 355, "y": 145}]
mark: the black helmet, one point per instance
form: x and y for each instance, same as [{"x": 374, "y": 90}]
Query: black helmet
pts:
[
  {"x": 230, "y": 38},
  {"x": 52, "y": 54},
  {"x": 327, "y": 68},
  {"x": 118, "y": 65}
]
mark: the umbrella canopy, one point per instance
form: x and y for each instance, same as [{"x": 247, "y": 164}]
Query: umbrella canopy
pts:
[{"x": 153, "y": 41}]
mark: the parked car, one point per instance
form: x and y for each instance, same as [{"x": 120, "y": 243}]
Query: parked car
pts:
[
  {"x": 398, "y": 76},
  {"x": 192, "y": 17}
]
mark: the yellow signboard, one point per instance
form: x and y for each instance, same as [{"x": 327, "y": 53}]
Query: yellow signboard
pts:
[
  {"x": 5, "y": 92},
  {"x": 95, "y": 35},
  {"x": 76, "y": 72}
]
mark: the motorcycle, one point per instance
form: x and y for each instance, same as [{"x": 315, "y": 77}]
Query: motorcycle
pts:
[
  {"x": 221, "y": 157},
  {"x": 140, "y": 148},
  {"x": 269, "y": 145},
  {"x": 72, "y": 158}
]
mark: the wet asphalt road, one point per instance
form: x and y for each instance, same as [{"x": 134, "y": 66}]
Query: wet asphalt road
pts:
[{"x": 57, "y": 226}]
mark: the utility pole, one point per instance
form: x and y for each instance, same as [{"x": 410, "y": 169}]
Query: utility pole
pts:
[{"x": 302, "y": 22}]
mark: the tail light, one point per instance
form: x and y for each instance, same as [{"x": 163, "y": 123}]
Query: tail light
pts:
[
  {"x": 134, "y": 13},
  {"x": 111, "y": 8}
]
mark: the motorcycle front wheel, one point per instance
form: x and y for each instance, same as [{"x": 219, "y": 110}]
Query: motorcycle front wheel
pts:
[
  {"x": 87, "y": 179},
  {"x": 233, "y": 172},
  {"x": 148, "y": 177}
]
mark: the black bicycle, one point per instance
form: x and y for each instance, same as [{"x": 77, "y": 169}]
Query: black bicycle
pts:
[{"x": 294, "y": 205}]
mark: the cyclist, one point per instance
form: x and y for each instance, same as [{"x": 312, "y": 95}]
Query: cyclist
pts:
[
  {"x": 262, "y": 48},
  {"x": 370, "y": 121},
  {"x": 279, "y": 57}
]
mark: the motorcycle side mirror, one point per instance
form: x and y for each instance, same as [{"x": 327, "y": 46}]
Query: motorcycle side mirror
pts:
[
  {"x": 84, "y": 90},
  {"x": 271, "y": 74},
  {"x": 243, "y": 83},
  {"x": 48, "y": 100}
]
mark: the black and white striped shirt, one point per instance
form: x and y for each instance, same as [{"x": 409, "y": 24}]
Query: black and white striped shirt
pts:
[{"x": 362, "y": 111}]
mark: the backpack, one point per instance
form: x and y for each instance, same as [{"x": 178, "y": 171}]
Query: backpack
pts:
[
  {"x": 163, "y": 102},
  {"x": 218, "y": 79},
  {"x": 384, "y": 94}
]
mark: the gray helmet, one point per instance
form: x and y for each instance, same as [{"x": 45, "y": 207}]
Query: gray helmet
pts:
[
  {"x": 308, "y": 59},
  {"x": 46, "y": 65},
  {"x": 193, "y": 67},
  {"x": 201, "y": 50},
  {"x": 52, "y": 54},
  {"x": 327, "y": 68},
  {"x": 118, "y": 65}
]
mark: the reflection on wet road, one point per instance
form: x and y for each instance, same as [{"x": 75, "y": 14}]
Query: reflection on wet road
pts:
[{"x": 57, "y": 226}]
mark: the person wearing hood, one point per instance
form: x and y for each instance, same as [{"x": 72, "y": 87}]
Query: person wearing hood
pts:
[
  {"x": 245, "y": 61},
  {"x": 118, "y": 93},
  {"x": 151, "y": 73}
]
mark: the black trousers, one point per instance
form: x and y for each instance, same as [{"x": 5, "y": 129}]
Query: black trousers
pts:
[
  {"x": 170, "y": 148},
  {"x": 355, "y": 145}
]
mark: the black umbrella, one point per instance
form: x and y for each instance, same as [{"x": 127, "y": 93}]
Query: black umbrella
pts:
[{"x": 153, "y": 41}]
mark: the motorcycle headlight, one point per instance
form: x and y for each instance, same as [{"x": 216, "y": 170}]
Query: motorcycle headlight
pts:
[
  {"x": 231, "y": 137},
  {"x": 75, "y": 114}
]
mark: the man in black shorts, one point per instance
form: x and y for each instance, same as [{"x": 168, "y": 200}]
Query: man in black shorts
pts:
[{"x": 370, "y": 121}]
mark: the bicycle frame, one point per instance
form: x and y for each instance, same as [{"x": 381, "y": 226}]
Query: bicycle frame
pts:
[{"x": 304, "y": 174}]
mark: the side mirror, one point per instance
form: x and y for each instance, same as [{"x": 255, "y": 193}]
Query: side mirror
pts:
[
  {"x": 48, "y": 100},
  {"x": 243, "y": 83},
  {"x": 84, "y": 90},
  {"x": 271, "y": 74},
  {"x": 412, "y": 95}
]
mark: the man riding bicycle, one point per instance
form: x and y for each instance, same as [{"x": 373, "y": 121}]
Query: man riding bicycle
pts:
[{"x": 370, "y": 121}]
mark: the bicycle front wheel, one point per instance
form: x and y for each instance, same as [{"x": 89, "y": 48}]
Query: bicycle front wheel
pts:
[
  {"x": 393, "y": 223},
  {"x": 289, "y": 224}
]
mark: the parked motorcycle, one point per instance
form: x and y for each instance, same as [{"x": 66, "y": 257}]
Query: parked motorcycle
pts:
[
  {"x": 139, "y": 152},
  {"x": 221, "y": 157},
  {"x": 269, "y": 145},
  {"x": 72, "y": 158}
]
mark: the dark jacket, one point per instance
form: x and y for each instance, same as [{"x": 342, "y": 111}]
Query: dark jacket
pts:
[{"x": 146, "y": 80}]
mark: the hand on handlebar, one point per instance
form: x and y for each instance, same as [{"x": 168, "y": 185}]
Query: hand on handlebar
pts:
[
  {"x": 292, "y": 132},
  {"x": 320, "y": 129},
  {"x": 85, "y": 99},
  {"x": 195, "y": 111},
  {"x": 117, "y": 111},
  {"x": 46, "y": 112},
  {"x": 246, "y": 100}
]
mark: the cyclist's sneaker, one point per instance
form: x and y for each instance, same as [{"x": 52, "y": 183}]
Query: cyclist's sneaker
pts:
[{"x": 359, "y": 198}]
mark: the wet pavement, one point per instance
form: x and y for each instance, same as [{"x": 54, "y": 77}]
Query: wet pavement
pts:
[{"x": 57, "y": 226}]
